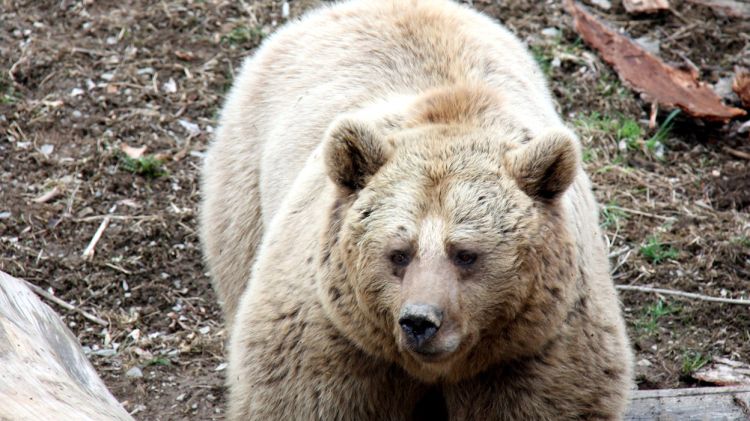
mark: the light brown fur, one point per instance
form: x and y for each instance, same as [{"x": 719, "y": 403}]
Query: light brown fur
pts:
[{"x": 423, "y": 127}]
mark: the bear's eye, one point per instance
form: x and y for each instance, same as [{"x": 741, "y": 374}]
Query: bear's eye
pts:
[
  {"x": 400, "y": 258},
  {"x": 464, "y": 258}
]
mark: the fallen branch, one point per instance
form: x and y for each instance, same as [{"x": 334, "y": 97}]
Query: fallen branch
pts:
[
  {"x": 86, "y": 315},
  {"x": 737, "y": 154},
  {"x": 88, "y": 253},
  {"x": 647, "y": 74},
  {"x": 683, "y": 294}
]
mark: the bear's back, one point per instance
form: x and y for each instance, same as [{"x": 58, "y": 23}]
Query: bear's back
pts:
[{"x": 336, "y": 60}]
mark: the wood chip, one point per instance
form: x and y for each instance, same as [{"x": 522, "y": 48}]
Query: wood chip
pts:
[
  {"x": 728, "y": 8},
  {"x": 741, "y": 86},
  {"x": 132, "y": 152},
  {"x": 645, "y": 6},
  {"x": 647, "y": 74},
  {"x": 724, "y": 372},
  {"x": 184, "y": 55}
]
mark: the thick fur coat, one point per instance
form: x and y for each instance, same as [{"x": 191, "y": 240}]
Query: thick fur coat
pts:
[{"x": 378, "y": 157}]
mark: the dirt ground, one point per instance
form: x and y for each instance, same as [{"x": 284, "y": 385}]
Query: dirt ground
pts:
[{"x": 81, "y": 78}]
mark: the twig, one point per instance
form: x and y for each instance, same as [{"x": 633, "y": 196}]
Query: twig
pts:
[
  {"x": 63, "y": 304},
  {"x": 119, "y": 269},
  {"x": 88, "y": 253},
  {"x": 737, "y": 154},
  {"x": 118, "y": 218},
  {"x": 646, "y": 214},
  {"x": 683, "y": 294}
]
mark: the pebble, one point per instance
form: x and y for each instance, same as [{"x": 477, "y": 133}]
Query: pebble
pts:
[{"x": 134, "y": 373}]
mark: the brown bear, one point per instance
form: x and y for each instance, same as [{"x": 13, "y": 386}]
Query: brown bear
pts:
[{"x": 399, "y": 227}]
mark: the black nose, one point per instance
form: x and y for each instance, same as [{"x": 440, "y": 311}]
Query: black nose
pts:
[{"x": 420, "y": 322}]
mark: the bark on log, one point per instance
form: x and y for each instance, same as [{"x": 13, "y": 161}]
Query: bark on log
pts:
[
  {"x": 704, "y": 403},
  {"x": 44, "y": 374}
]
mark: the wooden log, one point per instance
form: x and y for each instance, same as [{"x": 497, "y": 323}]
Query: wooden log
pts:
[
  {"x": 699, "y": 404},
  {"x": 44, "y": 374}
]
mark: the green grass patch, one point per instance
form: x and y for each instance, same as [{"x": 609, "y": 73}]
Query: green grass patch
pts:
[
  {"x": 693, "y": 361},
  {"x": 656, "y": 252},
  {"x": 148, "y": 166},
  {"x": 241, "y": 35},
  {"x": 542, "y": 58},
  {"x": 653, "y": 314},
  {"x": 612, "y": 214},
  {"x": 158, "y": 361},
  {"x": 742, "y": 240},
  {"x": 8, "y": 94}
]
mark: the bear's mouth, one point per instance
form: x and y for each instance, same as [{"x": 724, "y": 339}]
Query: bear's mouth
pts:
[{"x": 433, "y": 352}]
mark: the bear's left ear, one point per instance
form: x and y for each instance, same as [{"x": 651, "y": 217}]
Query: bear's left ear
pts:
[
  {"x": 545, "y": 167},
  {"x": 354, "y": 151}
]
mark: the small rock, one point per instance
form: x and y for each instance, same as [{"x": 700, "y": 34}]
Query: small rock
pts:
[
  {"x": 220, "y": 367},
  {"x": 285, "y": 10},
  {"x": 180, "y": 397},
  {"x": 105, "y": 352},
  {"x": 76, "y": 92},
  {"x": 134, "y": 373},
  {"x": 649, "y": 44},
  {"x": 602, "y": 4},
  {"x": 644, "y": 363},
  {"x": 192, "y": 128},
  {"x": 47, "y": 149},
  {"x": 551, "y": 32},
  {"x": 5, "y": 214},
  {"x": 170, "y": 86}
]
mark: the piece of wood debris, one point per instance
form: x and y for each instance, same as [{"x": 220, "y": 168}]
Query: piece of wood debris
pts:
[
  {"x": 727, "y": 8},
  {"x": 696, "y": 404},
  {"x": 645, "y": 6},
  {"x": 741, "y": 85},
  {"x": 724, "y": 372},
  {"x": 647, "y": 74},
  {"x": 48, "y": 196},
  {"x": 45, "y": 373},
  {"x": 88, "y": 253},
  {"x": 132, "y": 152},
  {"x": 737, "y": 154}
]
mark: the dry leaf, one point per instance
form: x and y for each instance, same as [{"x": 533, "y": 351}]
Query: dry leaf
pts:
[
  {"x": 741, "y": 86},
  {"x": 184, "y": 55}
]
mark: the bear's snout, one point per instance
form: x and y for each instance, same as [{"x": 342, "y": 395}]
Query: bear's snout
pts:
[{"x": 420, "y": 323}]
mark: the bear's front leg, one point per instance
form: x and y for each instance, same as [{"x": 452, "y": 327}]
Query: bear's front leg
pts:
[
  {"x": 578, "y": 378},
  {"x": 290, "y": 363}
]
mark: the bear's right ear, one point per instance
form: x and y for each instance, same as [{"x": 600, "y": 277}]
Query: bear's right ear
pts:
[
  {"x": 354, "y": 151},
  {"x": 546, "y": 166}
]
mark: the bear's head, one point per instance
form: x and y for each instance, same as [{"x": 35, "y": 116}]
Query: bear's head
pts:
[{"x": 447, "y": 250}]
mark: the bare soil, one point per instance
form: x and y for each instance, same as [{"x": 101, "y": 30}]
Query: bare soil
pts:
[{"x": 81, "y": 78}]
